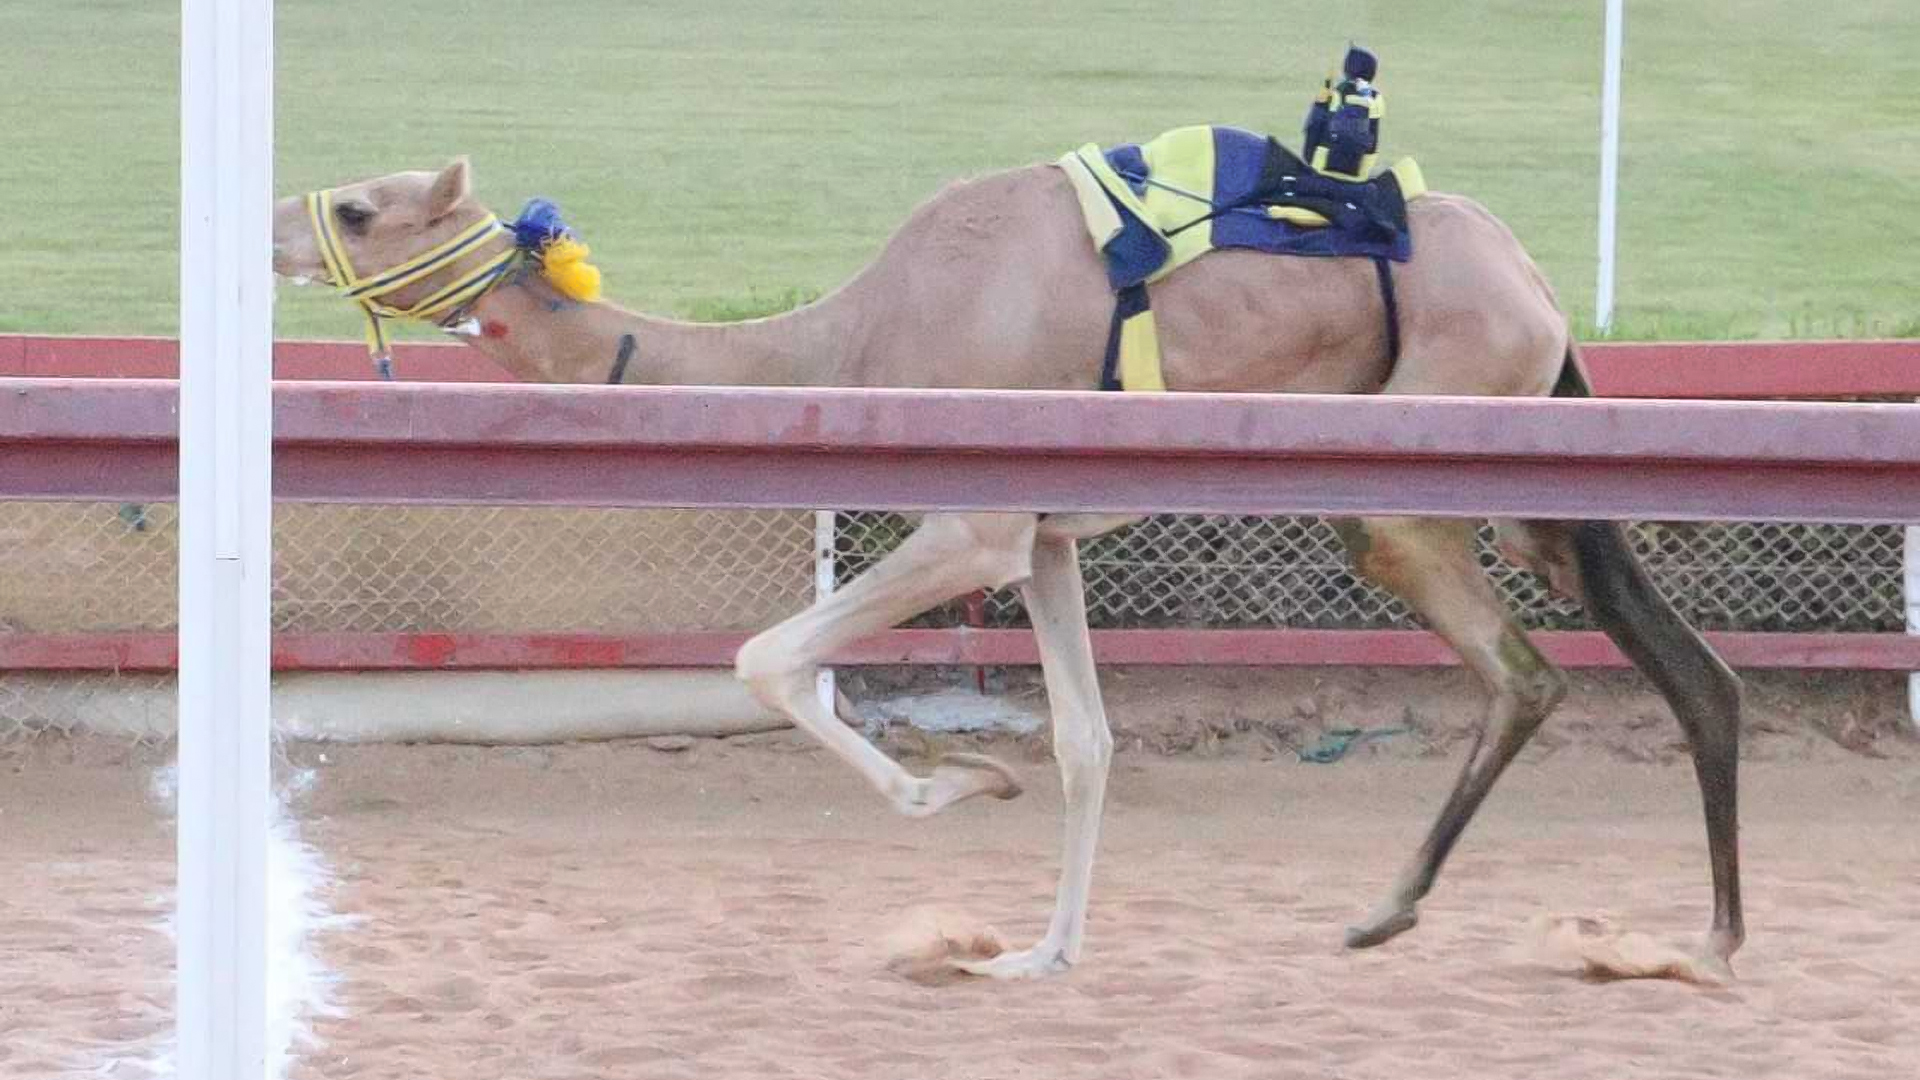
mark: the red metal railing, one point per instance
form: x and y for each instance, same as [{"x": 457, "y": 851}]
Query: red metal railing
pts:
[
  {"x": 64, "y": 439},
  {"x": 1734, "y": 369},
  {"x": 960, "y": 647},
  {"x": 737, "y": 448}
]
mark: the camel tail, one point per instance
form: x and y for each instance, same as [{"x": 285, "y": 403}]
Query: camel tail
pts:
[{"x": 1573, "y": 381}]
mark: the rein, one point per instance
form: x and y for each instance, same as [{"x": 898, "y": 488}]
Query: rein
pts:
[{"x": 442, "y": 307}]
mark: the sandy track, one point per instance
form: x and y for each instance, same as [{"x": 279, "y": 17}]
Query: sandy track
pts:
[{"x": 612, "y": 911}]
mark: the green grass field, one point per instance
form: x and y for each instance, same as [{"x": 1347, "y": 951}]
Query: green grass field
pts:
[{"x": 725, "y": 156}]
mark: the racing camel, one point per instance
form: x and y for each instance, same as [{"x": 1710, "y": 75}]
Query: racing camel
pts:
[{"x": 993, "y": 283}]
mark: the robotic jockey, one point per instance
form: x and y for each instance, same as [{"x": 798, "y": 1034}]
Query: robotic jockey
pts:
[{"x": 1343, "y": 126}]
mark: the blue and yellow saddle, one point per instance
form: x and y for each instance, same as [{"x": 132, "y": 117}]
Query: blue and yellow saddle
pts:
[{"x": 1151, "y": 209}]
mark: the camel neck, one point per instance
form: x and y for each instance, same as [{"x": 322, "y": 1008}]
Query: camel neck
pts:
[{"x": 528, "y": 330}]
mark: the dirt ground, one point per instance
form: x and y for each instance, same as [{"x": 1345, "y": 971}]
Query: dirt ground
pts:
[{"x": 724, "y": 909}]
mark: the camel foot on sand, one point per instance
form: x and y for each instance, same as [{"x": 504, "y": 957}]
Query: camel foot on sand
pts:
[
  {"x": 1382, "y": 928},
  {"x": 962, "y": 776},
  {"x": 1035, "y": 963},
  {"x": 1713, "y": 969}
]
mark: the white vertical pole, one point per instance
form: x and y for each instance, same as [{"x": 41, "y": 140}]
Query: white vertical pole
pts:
[
  {"x": 226, "y": 233},
  {"x": 823, "y": 575},
  {"x": 1912, "y": 561},
  {"x": 1609, "y": 163}
]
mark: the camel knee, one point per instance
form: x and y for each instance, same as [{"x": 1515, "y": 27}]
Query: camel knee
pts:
[
  {"x": 1532, "y": 689},
  {"x": 770, "y": 668},
  {"x": 1084, "y": 758},
  {"x": 1543, "y": 690},
  {"x": 1721, "y": 693}
]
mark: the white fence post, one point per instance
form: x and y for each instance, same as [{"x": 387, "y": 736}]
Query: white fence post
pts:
[
  {"x": 226, "y": 329},
  {"x": 824, "y": 570},
  {"x": 1911, "y": 559},
  {"x": 1609, "y": 163}
]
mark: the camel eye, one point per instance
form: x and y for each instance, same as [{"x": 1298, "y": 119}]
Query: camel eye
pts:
[{"x": 354, "y": 215}]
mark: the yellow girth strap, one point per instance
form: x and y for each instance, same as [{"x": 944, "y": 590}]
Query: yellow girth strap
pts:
[
  {"x": 464, "y": 289},
  {"x": 1140, "y": 353}
]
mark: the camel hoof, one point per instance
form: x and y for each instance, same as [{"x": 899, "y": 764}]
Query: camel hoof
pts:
[
  {"x": 1026, "y": 964},
  {"x": 1712, "y": 970},
  {"x": 1382, "y": 930},
  {"x": 999, "y": 783},
  {"x": 958, "y": 777}
]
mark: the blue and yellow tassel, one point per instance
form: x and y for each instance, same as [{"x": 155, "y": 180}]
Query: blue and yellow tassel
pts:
[{"x": 543, "y": 234}]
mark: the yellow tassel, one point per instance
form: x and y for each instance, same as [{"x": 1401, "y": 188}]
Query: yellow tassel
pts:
[{"x": 564, "y": 263}]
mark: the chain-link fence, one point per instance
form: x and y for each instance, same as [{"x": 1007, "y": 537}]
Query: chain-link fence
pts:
[
  {"x": 93, "y": 568},
  {"x": 68, "y": 568},
  {"x": 1220, "y": 571}
]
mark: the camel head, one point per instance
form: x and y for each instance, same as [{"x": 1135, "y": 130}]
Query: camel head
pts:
[
  {"x": 376, "y": 224},
  {"x": 417, "y": 245}
]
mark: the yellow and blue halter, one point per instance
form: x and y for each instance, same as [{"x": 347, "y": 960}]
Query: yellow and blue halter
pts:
[{"x": 442, "y": 306}]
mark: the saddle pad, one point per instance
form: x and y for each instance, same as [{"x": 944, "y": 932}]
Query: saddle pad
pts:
[{"x": 1153, "y": 208}]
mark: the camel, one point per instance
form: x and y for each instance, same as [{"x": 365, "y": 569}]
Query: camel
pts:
[{"x": 993, "y": 283}]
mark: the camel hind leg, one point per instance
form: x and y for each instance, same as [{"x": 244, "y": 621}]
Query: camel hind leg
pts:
[
  {"x": 1592, "y": 563},
  {"x": 1702, "y": 691},
  {"x": 1431, "y": 564}
]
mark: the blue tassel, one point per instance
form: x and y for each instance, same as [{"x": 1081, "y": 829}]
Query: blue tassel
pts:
[{"x": 538, "y": 225}]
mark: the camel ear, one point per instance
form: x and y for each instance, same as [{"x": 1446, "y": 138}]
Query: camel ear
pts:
[{"x": 449, "y": 190}]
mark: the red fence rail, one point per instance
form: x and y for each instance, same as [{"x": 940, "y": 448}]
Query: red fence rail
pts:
[
  {"x": 65, "y": 439},
  {"x": 1054, "y": 451},
  {"x": 1715, "y": 369},
  {"x": 960, "y": 647}
]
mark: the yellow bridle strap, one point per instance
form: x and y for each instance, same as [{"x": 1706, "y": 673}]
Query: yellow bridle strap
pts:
[
  {"x": 422, "y": 266},
  {"x": 464, "y": 289},
  {"x": 320, "y": 214}
]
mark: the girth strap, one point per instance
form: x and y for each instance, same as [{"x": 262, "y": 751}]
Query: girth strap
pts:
[
  {"x": 1384, "y": 271},
  {"x": 621, "y": 358},
  {"x": 1132, "y": 360}
]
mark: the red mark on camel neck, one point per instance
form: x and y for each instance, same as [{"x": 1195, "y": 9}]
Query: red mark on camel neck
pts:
[{"x": 494, "y": 328}]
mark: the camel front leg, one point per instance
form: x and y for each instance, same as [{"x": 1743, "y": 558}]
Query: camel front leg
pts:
[
  {"x": 1057, "y": 605},
  {"x": 949, "y": 555}
]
